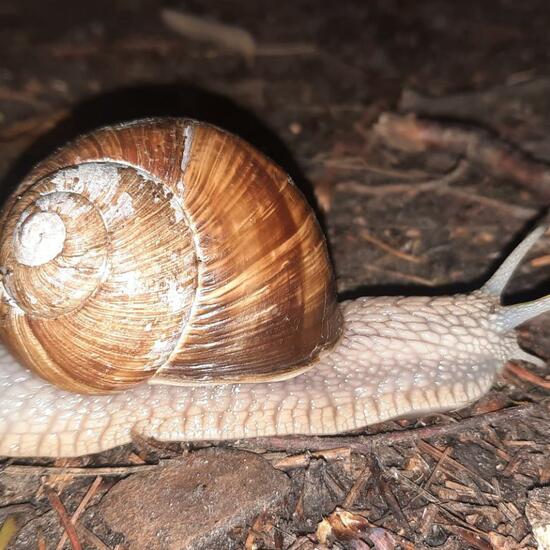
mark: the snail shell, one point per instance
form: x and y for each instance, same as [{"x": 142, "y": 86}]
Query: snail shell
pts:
[{"x": 164, "y": 250}]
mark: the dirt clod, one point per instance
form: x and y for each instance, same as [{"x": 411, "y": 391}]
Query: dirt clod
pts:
[{"x": 197, "y": 503}]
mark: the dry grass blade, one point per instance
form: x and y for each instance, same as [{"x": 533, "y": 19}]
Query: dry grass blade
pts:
[{"x": 7, "y": 532}]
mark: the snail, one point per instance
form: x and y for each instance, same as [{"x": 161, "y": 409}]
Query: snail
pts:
[{"x": 165, "y": 278}]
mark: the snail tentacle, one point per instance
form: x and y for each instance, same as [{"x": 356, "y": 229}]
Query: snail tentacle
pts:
[
  {"x": 507, "y": 318},
  {"x": 511, "y": 317},
  {"x": 501, "y": 277}
]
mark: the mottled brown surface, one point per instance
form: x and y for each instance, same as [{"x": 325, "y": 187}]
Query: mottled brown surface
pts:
[
  {"x": 206, "y": 485},
  {"x": 309, "y": 96}
]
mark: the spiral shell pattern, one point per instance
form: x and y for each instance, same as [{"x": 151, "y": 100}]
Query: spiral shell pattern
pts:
[
  {"x": 99, "y": 264},
  {"x": 164, "y": 250}
]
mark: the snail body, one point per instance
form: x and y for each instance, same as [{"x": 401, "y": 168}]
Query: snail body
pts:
[{"x": 164, "y": 277}]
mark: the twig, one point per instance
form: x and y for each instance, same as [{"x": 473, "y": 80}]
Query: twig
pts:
[
  {"x": 416, "y": 186},
  {"x": 195, "y": 27},
  {"x": 31, "y": 126},
  {"x": 357, "y": 487},
  {"x": 91, "y": 538},
  {"x": 303, "y": 459},
  {"x": 364, "y": 234},
  {"x": 409, "y": 133},
  {"x": 423, "y": 491},
  {"x": 59, "y": 507},
  {"x": 117, "y": 471},
  {"x": 541, "y": 261},
  {"x": 438, "y": 455},
  {"x": 357, "y": 163},
  {"x": 471, "y": 538},
  {"x": 285, "y": 49},
  {"x": 81, "y": 507},
  {"x": 438, "y": 466},
  {"x": 441, "y": 185},
  {"x": 442, "y": 508},
  {"x": 409, "y": 277},
  {"x": 520, "y": 212},
  {"x": 365, "y": 444},
  {"x": 525, "y": 374},
  {"x": 8, "y": 94},
  {"x": 387, "y": 494},
  {"x": 463, "y": 104},
  {"x": 429, "y": 481},
  {"x": 13, "y": 509}
]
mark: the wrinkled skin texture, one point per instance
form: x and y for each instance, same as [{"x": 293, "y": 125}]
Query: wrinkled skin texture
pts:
[{"x": 397, "y": 357}]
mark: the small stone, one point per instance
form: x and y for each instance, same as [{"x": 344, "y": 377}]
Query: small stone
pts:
[
  {"x": 537, "y": 511},
  {"x": 204, "y": 501}
]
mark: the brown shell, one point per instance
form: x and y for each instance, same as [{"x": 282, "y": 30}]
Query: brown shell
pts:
[{"x": 214, "y": 219}]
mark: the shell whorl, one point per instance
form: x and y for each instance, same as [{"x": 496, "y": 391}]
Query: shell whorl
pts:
[
  {"x": 166, "y": 250},
  {"x": 92, "y": 260}
]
